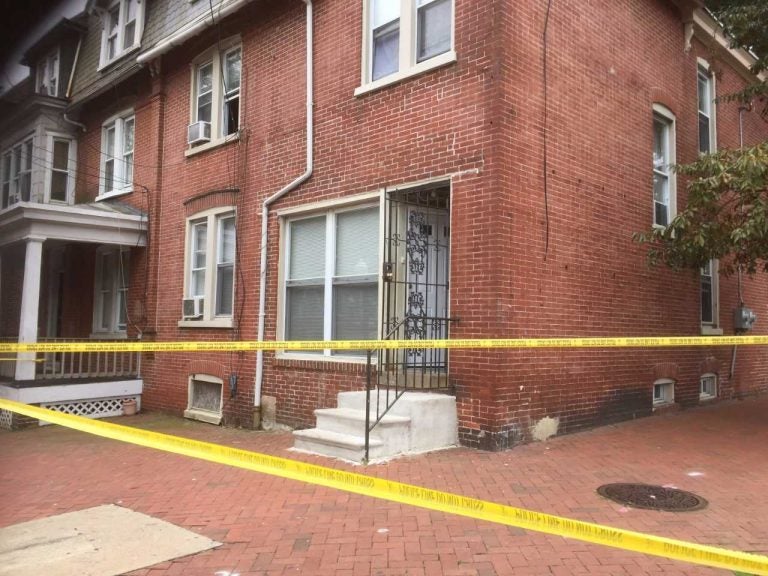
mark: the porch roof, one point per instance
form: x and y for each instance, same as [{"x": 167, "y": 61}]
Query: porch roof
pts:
[{"x": 94, "y": 223}]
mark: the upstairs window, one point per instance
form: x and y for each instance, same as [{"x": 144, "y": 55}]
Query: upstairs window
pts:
[
  {"x": 123, "y": 22},
  {"x": 706, "y": 97},
  {"x": 210, "y": 280},
  {"x": 60, "y": 179},
  {"x": 215, "y": 113},
  {"x": 48, "y": 75},
  {"x": 117, "y": 144},
  {"x": 664, "y": 193},
  {"x": 709, "y": 294},
  {"x": 17, "y": 173},
  {"x": 404, "y": 37}
]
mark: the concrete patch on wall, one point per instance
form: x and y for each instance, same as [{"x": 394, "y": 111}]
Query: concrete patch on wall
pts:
[
  {"x": 545, "y": 428},
  {"x": 102, "y": 541}
]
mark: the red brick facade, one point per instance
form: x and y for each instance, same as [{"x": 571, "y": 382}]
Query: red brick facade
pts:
[{"x": 534, "y": 252}]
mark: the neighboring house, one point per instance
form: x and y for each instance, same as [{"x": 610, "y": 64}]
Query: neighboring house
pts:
[{"x": 429, "y": 169}]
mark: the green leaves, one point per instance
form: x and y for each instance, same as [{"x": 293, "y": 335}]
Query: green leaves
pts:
[{"x": 726, "y": 216}]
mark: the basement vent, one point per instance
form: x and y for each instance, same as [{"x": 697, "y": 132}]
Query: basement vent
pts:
[{"x": 205, "y": 398}]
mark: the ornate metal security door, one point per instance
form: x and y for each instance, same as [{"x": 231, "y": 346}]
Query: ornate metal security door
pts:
[{"x": 416, "y": 269}]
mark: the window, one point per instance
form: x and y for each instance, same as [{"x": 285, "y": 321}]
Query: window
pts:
[
  {"x": 405, "y": 37},
  {"x": 123, "y": 22},
  {"x": 205, "y": 398},
  {"x": 117, "y": 144},
  {"x": 60, "y": 172},
  {"x": 664, "y": 184},
  {"x": 708, "y": 387},
  {"x": 17, "y": 173},
  {"x": 331, "y": 276},
  {"x": 211, "y": 239},
  {"x": 663, "y": 392},
  {"x": 216, "y": 91},
  {"x": 48, "y": 74},
  {"x": 110, "y": 313},
  {"x": 706, "y": 91},
  {"x": 709, "y": 294}
]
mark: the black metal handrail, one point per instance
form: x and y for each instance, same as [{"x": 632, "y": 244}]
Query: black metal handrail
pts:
[{"x": 405, "y": 369}]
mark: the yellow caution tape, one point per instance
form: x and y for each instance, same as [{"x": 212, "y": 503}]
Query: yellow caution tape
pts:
[
  {"x": 409, "y": 494},
  {"x": 251, "y": 345}
]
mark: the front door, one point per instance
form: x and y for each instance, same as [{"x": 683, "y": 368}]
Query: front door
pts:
[{"x": 416, "y": 268}]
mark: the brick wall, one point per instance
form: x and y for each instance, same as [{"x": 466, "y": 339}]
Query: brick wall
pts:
[{"x": 478, "y": 123}]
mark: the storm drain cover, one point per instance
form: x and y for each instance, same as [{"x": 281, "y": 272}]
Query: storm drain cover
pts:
[{"x": 652, "y": 497}]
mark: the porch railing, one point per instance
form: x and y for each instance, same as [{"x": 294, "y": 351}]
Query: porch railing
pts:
[
  {"x": 72, "y": 365},
  {"x": 398, "y": 371},
  {"x": 77, "y": 365}
]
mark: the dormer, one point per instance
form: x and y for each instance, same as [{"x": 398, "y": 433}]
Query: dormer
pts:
[
  {"x": 51, "y": 59},
  {"x": 122, "y": 23}
]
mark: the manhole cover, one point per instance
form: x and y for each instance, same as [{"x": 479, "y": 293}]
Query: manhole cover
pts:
[{"x": 652, "y": 497}]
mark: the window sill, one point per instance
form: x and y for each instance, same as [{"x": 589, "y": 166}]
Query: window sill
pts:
[
  {"x": 212, "y": 144},
  {"x": 706, "y": 397},
  {"x": 215, "y": 323},
  {"x": 203, "y": 416},
  {"x": 113, "y": 194},
  {"x": 711, "y": 331},
  {"x": 436, "y": 62}
]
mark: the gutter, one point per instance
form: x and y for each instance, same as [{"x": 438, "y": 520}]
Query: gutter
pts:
[
  {"x": 206, "y": 19},
  {"x": 276, "y": 196}
]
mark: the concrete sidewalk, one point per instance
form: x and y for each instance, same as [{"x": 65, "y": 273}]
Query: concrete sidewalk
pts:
[{"x": 273, "y": 526}]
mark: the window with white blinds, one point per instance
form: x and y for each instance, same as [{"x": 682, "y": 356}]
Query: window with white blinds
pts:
[{"x": 331, "y": 286}]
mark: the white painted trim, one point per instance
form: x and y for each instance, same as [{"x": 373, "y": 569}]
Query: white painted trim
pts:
[
  {"x": 703, "y": 66},
  {"x": 121, "y": 52},
  {"x": 207, "y": 416},
  {"x": 666, "y": 115},
  {"x": 118, "y": 170},
  {"x": 71, "y": 392},
  {"x": 437, "y": 62},
  {"x": 408, "y": 65},
  {"x": 706, "y": 28},
  {"x": 324, "y": 205},
  {"x": 71, "y": 166},
  {"x": 71, "y": 223},
  {"x": 667, "y": 399},
  {"x": 705, "y": 396},
  {"x": 212, "y": 217}
]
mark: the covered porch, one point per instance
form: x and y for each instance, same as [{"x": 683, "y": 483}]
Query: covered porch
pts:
[{"x": 65, "y": 276}]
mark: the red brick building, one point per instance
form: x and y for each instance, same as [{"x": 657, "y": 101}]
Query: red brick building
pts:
[{"x": 427, "y": 168}]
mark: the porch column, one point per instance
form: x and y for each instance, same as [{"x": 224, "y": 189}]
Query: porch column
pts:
[{"x": 30, "y": 302}]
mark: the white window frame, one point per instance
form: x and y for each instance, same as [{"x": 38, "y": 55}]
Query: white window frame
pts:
[
  {"x": 329, "y": 209},
  {"x": 713, "y": 327},
  {"x": 200, "y": 414},
  {"x": 121, "y": 170},
  {"x": 215, "y": 57},
  {"x": 663, "y": 393},
  {"x": 212, "y": 219},
  {"x": 47, "y": 70},
  {"x": 704, "y": 394},
  {"x": 22, "y": 163},
  {"x": 121, "y": 50},
  {"x": 665, "y": 116},
  {"x": 408, "y": 65},
  {"x": 704, "y": 72},
  {"x": 71, "y": 167},
  {"x": 118, "y": 291}
]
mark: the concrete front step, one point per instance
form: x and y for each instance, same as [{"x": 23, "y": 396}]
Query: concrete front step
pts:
[
  {"x": 417, "y": 422},
  {"x": 352, "y": 421},
  {"x": 336, "y": 445}
]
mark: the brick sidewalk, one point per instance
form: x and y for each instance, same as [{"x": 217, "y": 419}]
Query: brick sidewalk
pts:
[{"x": 271, "y": 526}]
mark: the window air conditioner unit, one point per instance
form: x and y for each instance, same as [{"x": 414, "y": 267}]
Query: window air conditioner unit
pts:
[
  {"x": 198, "y": 132},
  {"x": 193, "y": 307}
]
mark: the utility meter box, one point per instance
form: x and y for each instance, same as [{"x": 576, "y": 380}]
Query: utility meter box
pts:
[{"x": 743, "y": 319}]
